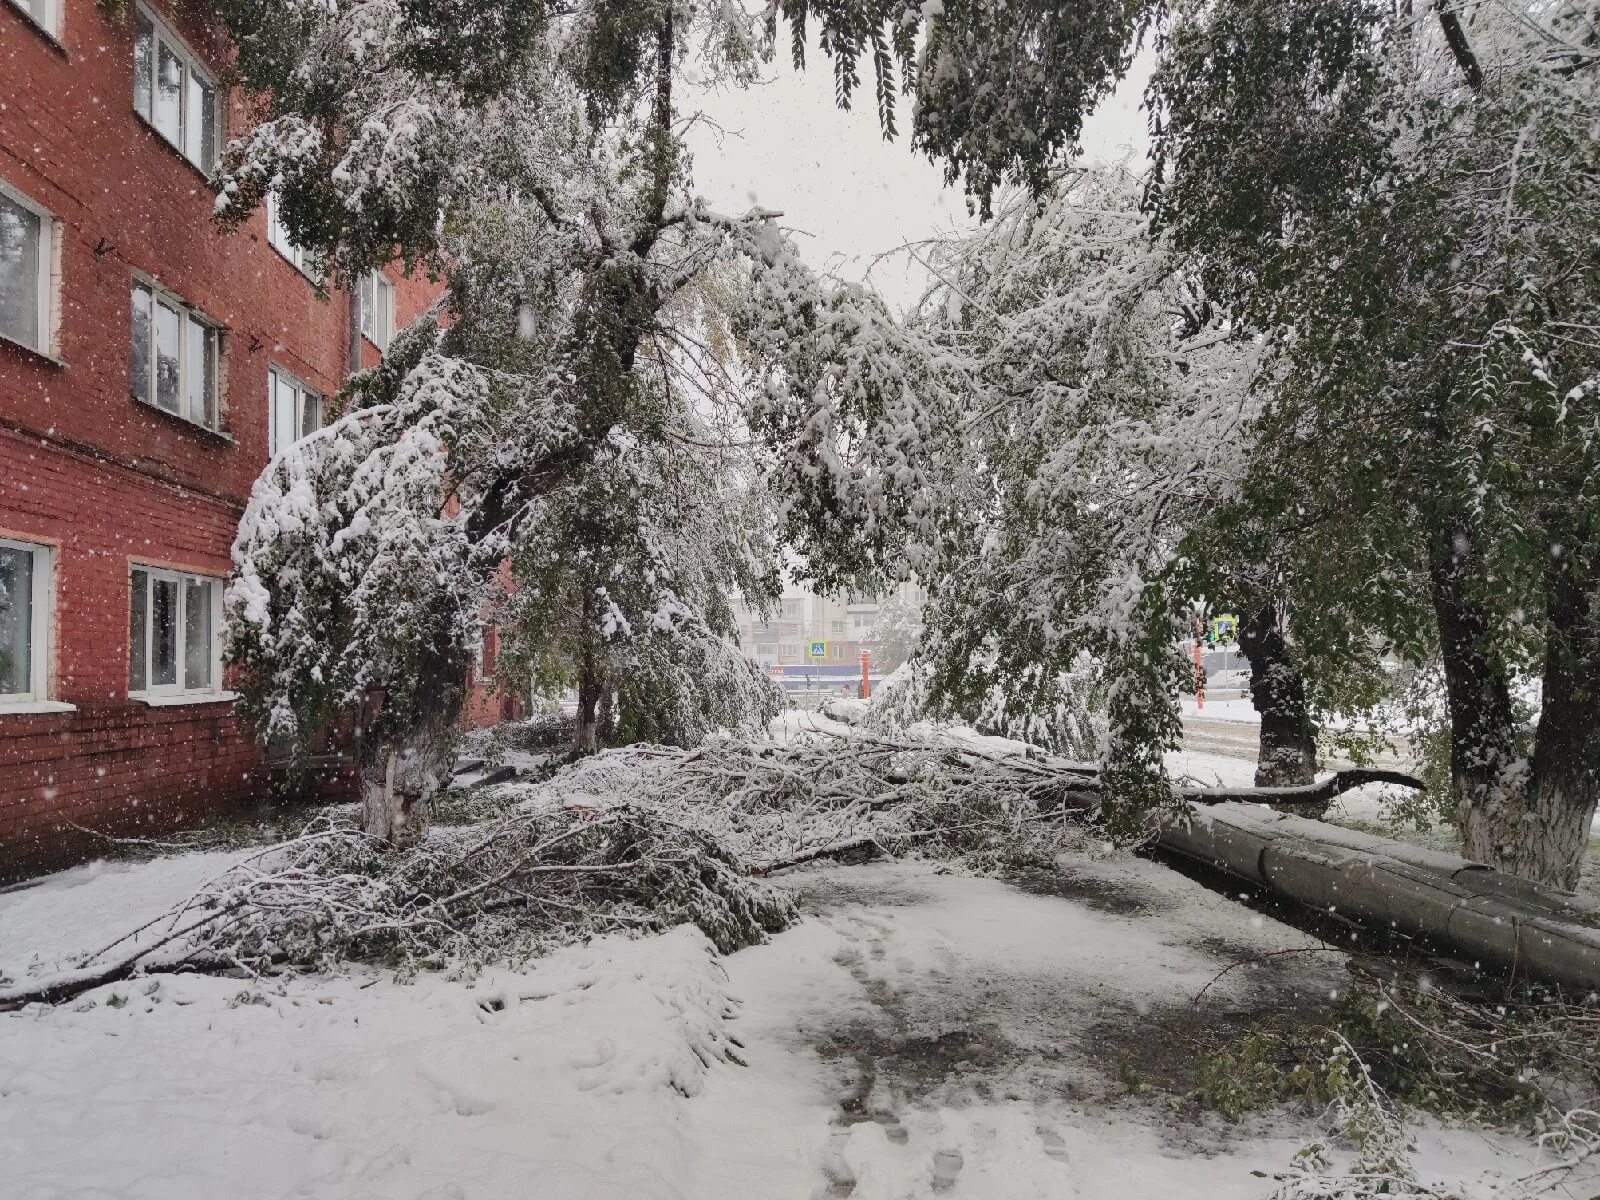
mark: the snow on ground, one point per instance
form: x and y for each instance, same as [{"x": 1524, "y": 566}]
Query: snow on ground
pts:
[
  {"x": 921, "y": 1033},
  {"x": 1240, "y": 709},
  {"x": 565, "y": 1080},
  {"x": 47, "y": 922}
]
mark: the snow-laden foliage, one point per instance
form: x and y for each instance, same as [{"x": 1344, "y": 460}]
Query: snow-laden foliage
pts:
[
  {"x": 1420, "y": 256},
  {"x": 1398, "y": 203},
  {"x": 348, "y": 563},
  {"x": 1103, "y": 425},
  {"x": 621, "y": 584},
  {"x": 597, "y": 484},
  {"x": 1063, "y": 716},
  {"x": 496, "y": 891},
  {"x": 999, "y": 91},
  {"x": 832, "y": 795}
]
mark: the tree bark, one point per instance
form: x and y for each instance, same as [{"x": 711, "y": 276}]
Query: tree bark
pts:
[
  {"x": 1550, "y": 839},
  {"x": 586, "y": 737},
  {"x": 1491, "y": 811},
  {"x": 1288, "y": 750}
]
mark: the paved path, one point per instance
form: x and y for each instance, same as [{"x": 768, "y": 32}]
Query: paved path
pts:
[{"x": 1000, "y": 1041}]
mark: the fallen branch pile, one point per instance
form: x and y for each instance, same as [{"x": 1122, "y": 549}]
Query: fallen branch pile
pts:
[
  {"x": 640, "y": 838},
  {"x": 833, "y": 795},
  {"x": 499, "y": 890}
]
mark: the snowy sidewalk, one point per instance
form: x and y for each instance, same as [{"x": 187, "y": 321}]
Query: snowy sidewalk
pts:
[{"x": 921, "y": 1034}]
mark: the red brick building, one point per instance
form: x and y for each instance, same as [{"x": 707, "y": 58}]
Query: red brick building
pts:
[{"x": 149, "y": 368}]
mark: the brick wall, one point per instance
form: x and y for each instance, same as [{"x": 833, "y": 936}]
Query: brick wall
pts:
[{"x": 106, "y": 480}]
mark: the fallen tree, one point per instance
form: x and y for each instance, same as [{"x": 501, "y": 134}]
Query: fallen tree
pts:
[{"x": 639, "y": 838}]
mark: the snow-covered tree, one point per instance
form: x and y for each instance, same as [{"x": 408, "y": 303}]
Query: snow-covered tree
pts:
[
  {"x": 1421, "y": 255},
  {"x": 1400, "y": 200},
  {"x": 620, "y": 587},
  {"x": 532, "y": 157},
  {"x": 895, "y": 631},
  {"x": 1106, "y": 426}
]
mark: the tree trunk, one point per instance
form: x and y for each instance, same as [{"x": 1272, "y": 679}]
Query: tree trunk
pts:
[
  {"x": 1288, "y": 750},
  {"x": 1491, "y": 809},
  {"x": 587, "y": 735},
  {"x": 1565, "y": 774},
  {"x": 384, "y": 810}
]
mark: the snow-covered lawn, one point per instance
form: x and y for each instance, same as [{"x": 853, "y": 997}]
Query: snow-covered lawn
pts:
[{"x": 920, "y": 1033}]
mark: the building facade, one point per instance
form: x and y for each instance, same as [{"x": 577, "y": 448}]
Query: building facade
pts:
[
  {"x": 825, "y": 635},
  {"x": 150, "y": 366}
]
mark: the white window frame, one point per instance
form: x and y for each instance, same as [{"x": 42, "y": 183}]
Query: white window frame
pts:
[
  {"x": 276, "y": 377},
  {"x": 176, "y": 693},
  {"x": 43, "y": 590},
  {"x": 188, "y": 317},
  {"x": 43, "y": 303},
  {"x": 161, "y": 32},
  {"x": 49, "y": 21},
  {"x": 377, "y": 309},
  {"x": 278, "y": 238}
]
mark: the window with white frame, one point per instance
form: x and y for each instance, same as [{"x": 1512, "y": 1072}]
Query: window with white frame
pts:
[
  {"x": 45, "y": 13},
  {"x": 173, "y": 363},
  {"x": 24, "y": 622},
  {"x": 26, "y": 231},
  {"x": 278, "y": 237},
  {"x": 173, "y": 627},
  {"x": 377, "y": 309},
  {"x": 293, "y": 410},
  {"x": 173, "y": 92}
]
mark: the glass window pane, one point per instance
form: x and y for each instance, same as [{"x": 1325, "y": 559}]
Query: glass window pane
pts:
[
  {"x": 310, "y": 413},
  {"x": 169, "y": 338},
  {"x": 198, "y": 374},
  {"x": 285, "y": 414},
  {"x": 200, "y": 123},
  {"x": 163, "y": 632},
  {"x": 138, "y": 630},
  {"x": 139, "y": 360},
  {"x": 197, "y": 634},
  {"x": 16, "y": 621},
  {"x": 168, "y": 118},
  {"x": 143, "y": 48},
  {"x": 212, "y": 115},
  {"x": 213, "y": 351},
  {"x": 369, "y": 305},
  {"x": 21, "y": 239}
]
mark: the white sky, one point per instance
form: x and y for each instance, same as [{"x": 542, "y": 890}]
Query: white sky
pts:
[{"x": 848, "y": 195}]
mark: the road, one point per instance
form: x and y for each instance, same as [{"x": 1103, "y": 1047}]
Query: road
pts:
[{"x": 1239, "y": 739}]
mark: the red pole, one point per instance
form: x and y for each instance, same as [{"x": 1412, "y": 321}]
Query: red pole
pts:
[
  {"x": 866, "y": 679},
  {"x": 1199, "y": 671}
]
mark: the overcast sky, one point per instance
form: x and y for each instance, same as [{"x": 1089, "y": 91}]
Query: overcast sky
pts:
[{"x": 849, "y": 195}]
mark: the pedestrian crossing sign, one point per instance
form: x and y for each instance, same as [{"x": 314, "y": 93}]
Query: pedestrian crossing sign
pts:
[{"x": 819, "y": 649}]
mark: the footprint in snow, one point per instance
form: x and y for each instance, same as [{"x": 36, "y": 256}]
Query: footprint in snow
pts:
[
  {"x": 947, "y": 1165},
  {"x": 1054, "y": 1145}
]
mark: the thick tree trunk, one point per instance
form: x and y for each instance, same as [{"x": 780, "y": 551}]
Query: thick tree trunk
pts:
[
  {"x": 411, "y": 764},
  {"x": 1288, "y": 749},
  {"x": 586, "y": 737},
  {"x": 1491, "y": 809},
  {"x": 385, "y": 811},
  {"x": 1565, "y": 774}
]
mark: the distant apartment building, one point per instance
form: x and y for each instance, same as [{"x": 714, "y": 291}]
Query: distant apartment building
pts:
[
  {"x": 812, "y": 631},
  {"x": 150, "y": 367}
]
